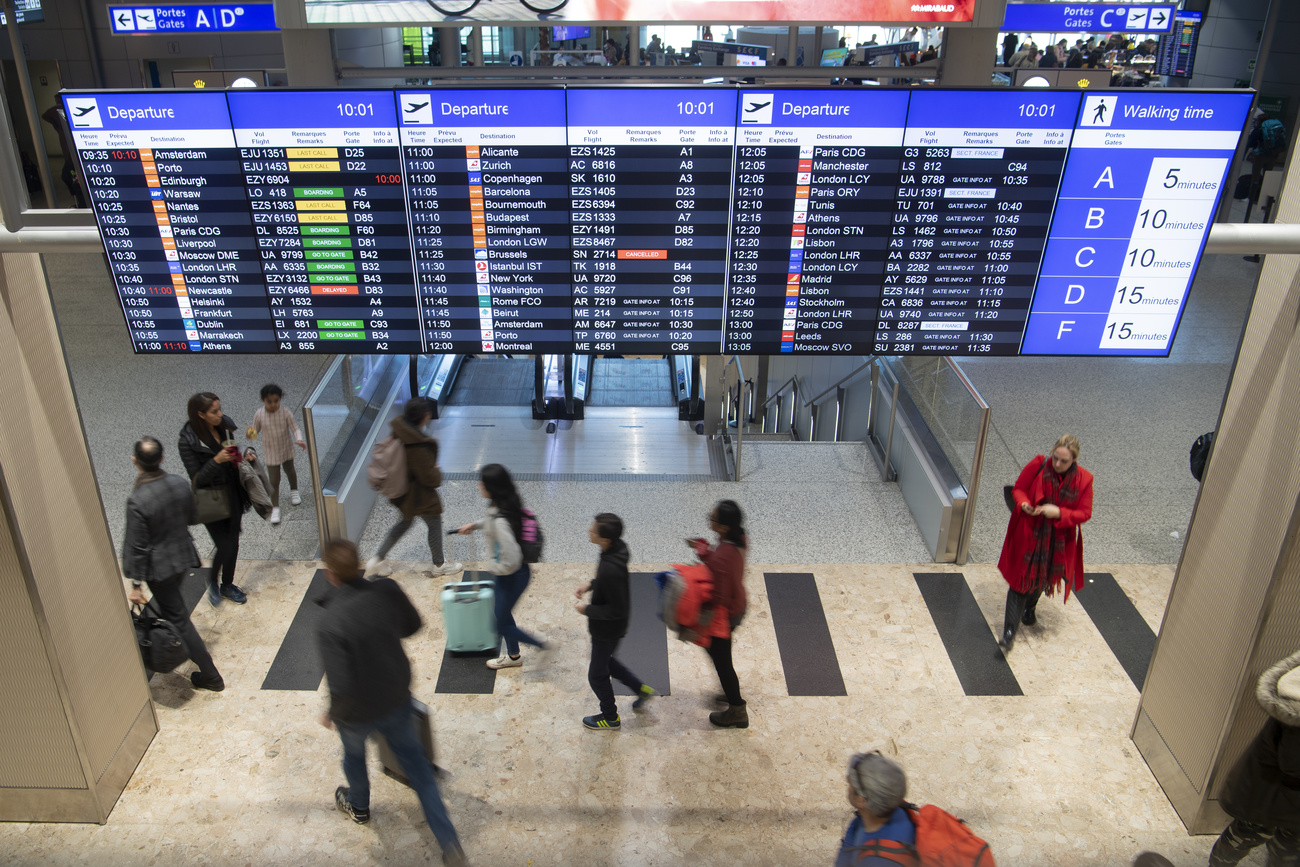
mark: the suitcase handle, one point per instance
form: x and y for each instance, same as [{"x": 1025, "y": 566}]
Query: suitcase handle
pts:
[{"x": 466, "y": 590}]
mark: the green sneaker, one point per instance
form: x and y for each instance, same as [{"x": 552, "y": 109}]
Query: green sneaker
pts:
[
  {"x": 600, "y": 721},
  {"x": 643, "y": 700}
]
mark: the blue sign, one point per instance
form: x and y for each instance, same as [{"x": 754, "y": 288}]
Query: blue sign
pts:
[
  {"x": 1088, "y": 18},
  {"x": 147, "y": 20}
]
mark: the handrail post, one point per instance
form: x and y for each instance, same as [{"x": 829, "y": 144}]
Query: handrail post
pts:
[
  {"x": 839, "y": 414},
  {"x": 871, "y": 406},
  {"x": 976, "y": 467},
  {"x": 889, "y": 443},
  {"x": 740, "y": 432}
]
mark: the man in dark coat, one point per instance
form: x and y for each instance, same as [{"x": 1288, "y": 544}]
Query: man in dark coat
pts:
[
  {"x": 157, "y": 550},
  {"x": 607, "y": 616},
  {"x": 1262, "y": 793},
  {"x": 360, "y": 636}
]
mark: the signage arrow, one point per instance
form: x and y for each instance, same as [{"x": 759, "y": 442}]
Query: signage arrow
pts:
[
  {"x": 1159, "y": 19},
  {"x": 122, "y": 19}
]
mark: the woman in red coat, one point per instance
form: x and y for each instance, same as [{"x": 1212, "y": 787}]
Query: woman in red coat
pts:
[
  {"x": 726, "y": 560},
  {"x": 1044, "y": 545}
]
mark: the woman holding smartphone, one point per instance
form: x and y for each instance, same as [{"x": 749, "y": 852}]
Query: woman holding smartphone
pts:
[
  {"x": 726, "y": 560},
  {"x": 207, "y": 447}
]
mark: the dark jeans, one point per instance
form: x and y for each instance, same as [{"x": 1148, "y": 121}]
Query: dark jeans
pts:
[
  {"x": 1235, "y": 843},
  {"x": 509, "y": 589},
  {"x": 399, "y": 529},
  {"x": 603, "y": 665},
  {"x": 398, "y": 728},
  {"x": 225, "y": 535},
  {"x": 1018, "y": 605},
  {"x": 720, "y": 652},
  {"x": 273, "y": 476},
  {"x": 167, "y": 596}
]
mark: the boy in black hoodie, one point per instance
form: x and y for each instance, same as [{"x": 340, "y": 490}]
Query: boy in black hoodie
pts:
[{"x": 607, "y": 616}]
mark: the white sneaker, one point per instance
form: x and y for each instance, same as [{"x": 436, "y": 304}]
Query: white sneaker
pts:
[
  {"x": 275, "y": 515},
  {"x": 448, "y": 568},
  {"x": 377, "y": 566},
  {"x": 505, "y": 662},
  {"x": 294, "y": 499}
]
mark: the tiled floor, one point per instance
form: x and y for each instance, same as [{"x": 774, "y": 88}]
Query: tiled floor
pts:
[{"x": 1048, "y": 778}]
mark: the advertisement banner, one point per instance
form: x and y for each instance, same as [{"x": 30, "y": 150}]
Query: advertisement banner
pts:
[{"x": 390, "y": 12}]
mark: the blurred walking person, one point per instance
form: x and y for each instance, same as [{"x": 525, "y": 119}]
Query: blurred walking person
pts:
[
  {"x": 726, "y": 562},
  {"x": 369, "y": 677}
]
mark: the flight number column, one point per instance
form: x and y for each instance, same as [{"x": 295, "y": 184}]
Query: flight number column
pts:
[
  {"x": 977, "y": 186},
  {"x": 650, "y": 188},
  {"x": 327, "y": 197}
]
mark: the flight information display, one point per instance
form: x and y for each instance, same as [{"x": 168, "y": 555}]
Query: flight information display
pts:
[{"x": 652, "y": 220}]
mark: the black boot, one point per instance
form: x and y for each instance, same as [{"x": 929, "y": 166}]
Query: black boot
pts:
[
  {"x": 1029, "y": 618},
  {"x": 1008, "y": 640},
  {"x": 734, "y": 717}
]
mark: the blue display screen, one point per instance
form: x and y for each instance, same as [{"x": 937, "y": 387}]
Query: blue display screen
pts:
[{"x": 841, "y": 221}]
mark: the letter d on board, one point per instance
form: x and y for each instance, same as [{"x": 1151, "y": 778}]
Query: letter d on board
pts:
[
  {"x": 1069, "y": 293},
  {"x": 1078, "y": 257},
  {"x": 1096, "y": 216},
  {"x": 227, "y": 18}
]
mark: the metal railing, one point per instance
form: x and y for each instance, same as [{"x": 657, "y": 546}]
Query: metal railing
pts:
[
  {"x": 778, "y": 397},
  {"x": 838, "y": 388},
  {"x": 734, "y": 404},
  {"x": 977, "y": 464}
]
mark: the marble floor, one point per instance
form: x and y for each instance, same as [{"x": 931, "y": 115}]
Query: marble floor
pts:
[{"x": 1048, "y": 778}]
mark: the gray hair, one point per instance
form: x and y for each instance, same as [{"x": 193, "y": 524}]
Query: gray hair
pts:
[{"x": 879, "y": 781}]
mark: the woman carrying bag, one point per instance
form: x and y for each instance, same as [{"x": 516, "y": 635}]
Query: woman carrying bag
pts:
[
  {"x": 1043, "y": 548},
  {"x": 212, "y": 461},
  {"x": 726, "y": 562}
]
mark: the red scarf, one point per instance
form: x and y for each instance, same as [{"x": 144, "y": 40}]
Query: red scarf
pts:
[{"x": 1045, "y": 563}]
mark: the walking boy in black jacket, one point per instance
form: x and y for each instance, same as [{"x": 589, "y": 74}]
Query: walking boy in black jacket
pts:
[{"x": 607, "y": 616}]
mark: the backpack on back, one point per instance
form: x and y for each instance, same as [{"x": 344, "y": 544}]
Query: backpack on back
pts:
[
  {"x": 1200, "y": 454},
  {"x": 1274, "y": 136},
  {"x": 533, "y": 538},
  {"x": 686, "y": 601},
  {"x": 387, "y": 470},
  {"x": 942, "y": 840}
]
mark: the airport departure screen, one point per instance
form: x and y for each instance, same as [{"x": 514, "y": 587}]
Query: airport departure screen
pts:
[{"x": 605, "y": 220}]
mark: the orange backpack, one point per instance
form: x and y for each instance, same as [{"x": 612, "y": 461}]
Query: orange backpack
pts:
[{"x": 942, "y": 840}]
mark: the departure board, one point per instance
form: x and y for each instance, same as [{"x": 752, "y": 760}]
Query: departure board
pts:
[
  {"x": 843, "y": 221},
  {"x": 324, "y": 178},
  {"x": 650, "y": 181},
  {"x": 487, "y": 180},
  {"x": 167, "y": 190},
  {"x": 814, "y": 196}
]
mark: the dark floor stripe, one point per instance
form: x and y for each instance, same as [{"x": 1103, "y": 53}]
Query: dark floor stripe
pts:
[
  {"x": 802, "y": 635},
  {"x": 1125, "y": 630},
  {"x": 297, "y": 665},
  {"x": 971, "y": 645},
  {"x": 645, "y": 648},
  {"x": 467, "y": 673}
]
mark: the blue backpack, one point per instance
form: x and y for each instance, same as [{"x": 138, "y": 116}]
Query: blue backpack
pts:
[{"x": 1273, "y": 136}]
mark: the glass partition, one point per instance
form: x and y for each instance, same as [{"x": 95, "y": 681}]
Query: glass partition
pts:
[{"x": 951, "y": 407}]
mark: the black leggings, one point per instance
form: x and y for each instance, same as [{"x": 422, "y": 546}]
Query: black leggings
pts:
[
  {"x": 720, "y": 652},
  {"x": 1018, "y": 605},
  {"x": 167, "y": 596},
  {"x": 225, "y": 535}
]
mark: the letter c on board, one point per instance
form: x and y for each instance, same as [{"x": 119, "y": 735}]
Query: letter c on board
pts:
[{"x": 1078, "y": 257}]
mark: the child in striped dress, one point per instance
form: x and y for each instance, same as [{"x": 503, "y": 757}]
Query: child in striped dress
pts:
[{"x": 281, "y": 434}]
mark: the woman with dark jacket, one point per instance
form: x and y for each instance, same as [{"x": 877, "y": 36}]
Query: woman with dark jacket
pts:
[
  {"x": 211, "y": 466},
  {"x": 423, "y": 477},
  {"x": 1043, "y": 548},
  {"x": 726, "y": 562},
  {"x": 1262, "y": 793}
]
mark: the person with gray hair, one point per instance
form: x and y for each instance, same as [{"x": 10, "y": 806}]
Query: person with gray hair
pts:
[{"x": 877, "y": 789}]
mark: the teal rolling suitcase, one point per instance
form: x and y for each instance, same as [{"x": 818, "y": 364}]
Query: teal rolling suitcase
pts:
[{"x": 468, "y": 616}]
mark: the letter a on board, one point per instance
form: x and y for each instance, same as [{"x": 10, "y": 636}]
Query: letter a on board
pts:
[{"x": 1106, "y": 178}]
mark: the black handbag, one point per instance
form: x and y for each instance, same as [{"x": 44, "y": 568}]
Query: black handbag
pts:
[
  {"x": 161, "y": 645},
  {"x": 211, "y": 504},
  {"x": 1009, "y": 497}
]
